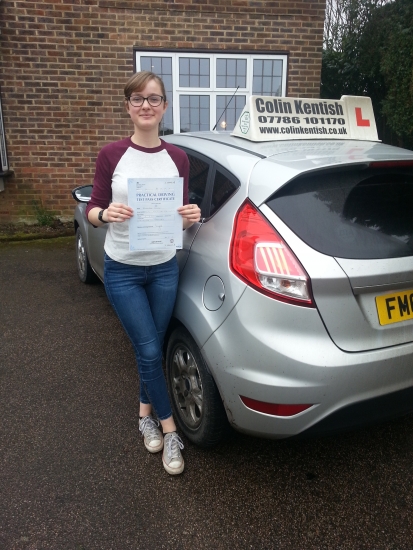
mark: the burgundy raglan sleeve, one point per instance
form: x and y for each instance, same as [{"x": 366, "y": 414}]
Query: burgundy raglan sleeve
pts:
[{"x": 102, "y": 182}]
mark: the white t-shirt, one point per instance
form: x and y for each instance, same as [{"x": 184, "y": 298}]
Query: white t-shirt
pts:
[{"x": 116, "y": 163}]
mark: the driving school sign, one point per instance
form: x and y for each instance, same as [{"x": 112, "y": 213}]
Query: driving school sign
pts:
[{"x": 267, "y": 118}]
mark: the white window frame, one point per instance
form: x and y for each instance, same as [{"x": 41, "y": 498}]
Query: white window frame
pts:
[{"x": 213, "y": 91}]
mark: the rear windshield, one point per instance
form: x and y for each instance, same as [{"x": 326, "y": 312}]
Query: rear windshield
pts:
[{"x": 357, "y": 213}]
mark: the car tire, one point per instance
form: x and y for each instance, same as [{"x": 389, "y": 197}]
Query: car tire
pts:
[
  {"x": 196, "y": 402},
  {"x": 84, "y": 269}
]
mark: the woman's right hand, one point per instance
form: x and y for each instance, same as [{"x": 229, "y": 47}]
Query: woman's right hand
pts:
[{"x": 118, "y": 212}]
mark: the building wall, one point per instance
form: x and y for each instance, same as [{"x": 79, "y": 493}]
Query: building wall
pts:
[{"x": 64, "y": 64}]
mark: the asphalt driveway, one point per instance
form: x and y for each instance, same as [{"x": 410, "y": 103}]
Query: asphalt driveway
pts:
[{"x": 74, "y": 473}]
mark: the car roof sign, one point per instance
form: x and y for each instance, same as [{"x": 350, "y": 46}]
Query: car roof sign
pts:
[{"x": 270, "y": 118}]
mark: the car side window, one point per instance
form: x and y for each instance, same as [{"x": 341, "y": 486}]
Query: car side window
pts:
[
  {"x": 198, "y": 176},
  {"x": 224, "y": 186}
]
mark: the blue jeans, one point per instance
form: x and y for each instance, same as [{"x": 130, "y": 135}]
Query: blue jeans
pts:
[{"x": 143, "y": 298}]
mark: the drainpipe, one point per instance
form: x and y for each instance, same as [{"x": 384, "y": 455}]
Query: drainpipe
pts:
[{"x": 4, "y": 167}]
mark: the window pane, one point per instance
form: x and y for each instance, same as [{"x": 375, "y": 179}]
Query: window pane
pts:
[
  {"x": 231, "y": 82},
  {"x": 228, "y": 118},
  {"x": 198, "y": 176},
  {"x": 184, "y": 65},
  {"x": 157, "y": 65},
  {"x": 194, "y": 72},
  {"x": 194, "y": 81},
  {"x": 204, "y": 67},
  {"x": 267, "y": 77},
  {"x": 258, "y": 67},
  {"x": 231, "y": 66},
  {"x": 167, "y": 125},
  {"x": 277, "y": 67},
  {"x": 197, "y": 116},
  {"x": 167, "y": 65},
  {"x": 231, "y": 73},
  {"x": 204, "y": 117},
  {"x": 276, "y": 85},
  {"x": 194, "y": 118},
  {"x": 241, "y": 67},
  {"x": 146, "y": 64},
  {"x": 194, "y": 65},
  {"x": 204, "y": 101},
  {"x": 267, "y": 71},
  {"x": 221, "y": 66},
  {"x": 162, "y": 66},
  {"x": 256, "y": 85},
  {"x": 223, "y": 189},
  {"x": 184, "y": 80},
  {"x": 266, "y": 85},
  {"x": 167, "y": 80},
  {"x": 185, "y": 125},
  {"x": 184, "y": 100}
]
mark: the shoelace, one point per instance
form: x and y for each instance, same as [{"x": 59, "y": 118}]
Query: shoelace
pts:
[
  {"x": 174, "y": 443},
  {"x": 150, "y": 426}
]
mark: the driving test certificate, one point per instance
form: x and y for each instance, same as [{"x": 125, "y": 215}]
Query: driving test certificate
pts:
[{"x": 155, "y": 224}]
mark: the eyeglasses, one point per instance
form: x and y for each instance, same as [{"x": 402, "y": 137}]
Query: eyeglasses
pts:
[{"x": 138, "y": 100}]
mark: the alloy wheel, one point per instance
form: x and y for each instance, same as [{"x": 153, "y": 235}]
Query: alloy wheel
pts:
[{"x": 186, "y": 385}]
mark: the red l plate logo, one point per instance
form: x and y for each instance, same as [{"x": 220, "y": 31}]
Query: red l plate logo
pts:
[{"x": 359, "y": 118}]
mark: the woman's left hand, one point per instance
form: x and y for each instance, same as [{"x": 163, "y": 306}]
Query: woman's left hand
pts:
[{"x": 190, "y": 212}]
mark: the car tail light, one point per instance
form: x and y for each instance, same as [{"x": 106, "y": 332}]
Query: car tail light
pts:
[
  {"x": 261, "y": 258},
  {"x": 275, "y": 409}
]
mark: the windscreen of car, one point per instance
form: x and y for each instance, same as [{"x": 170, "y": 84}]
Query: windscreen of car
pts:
[{"x": 358, "y": 213}]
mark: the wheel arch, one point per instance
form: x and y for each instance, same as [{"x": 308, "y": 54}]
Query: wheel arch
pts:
[
  {"x": 214, "y": 423},
  {"x": 175, "y": 323}
]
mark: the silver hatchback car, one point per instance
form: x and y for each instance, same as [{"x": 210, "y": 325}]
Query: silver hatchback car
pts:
[{"x": 294, "y": 312}]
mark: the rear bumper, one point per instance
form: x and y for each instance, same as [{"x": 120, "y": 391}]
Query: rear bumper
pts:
[
  {"x": 278, "y": 353},
  {"x": 365, "y": 413}
]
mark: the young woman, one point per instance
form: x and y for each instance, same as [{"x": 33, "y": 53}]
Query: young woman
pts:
[{"x": 141, "y": 286}]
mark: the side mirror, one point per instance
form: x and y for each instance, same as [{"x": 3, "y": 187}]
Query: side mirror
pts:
[{"x": 82, "y": 193}]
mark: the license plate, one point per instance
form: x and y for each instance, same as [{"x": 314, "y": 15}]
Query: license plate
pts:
[{"x": 395, "y": 308}]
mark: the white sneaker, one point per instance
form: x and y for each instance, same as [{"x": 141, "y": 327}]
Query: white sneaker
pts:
[
  {"x": 173, "y": 461},
  {"x": 152, "y": 437}
]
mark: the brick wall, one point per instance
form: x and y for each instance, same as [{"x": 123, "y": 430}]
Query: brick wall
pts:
[{"x": 64, "y": 64}]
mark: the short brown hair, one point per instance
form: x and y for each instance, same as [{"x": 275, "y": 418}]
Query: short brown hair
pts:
[{"x": 139, "y": 80}]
